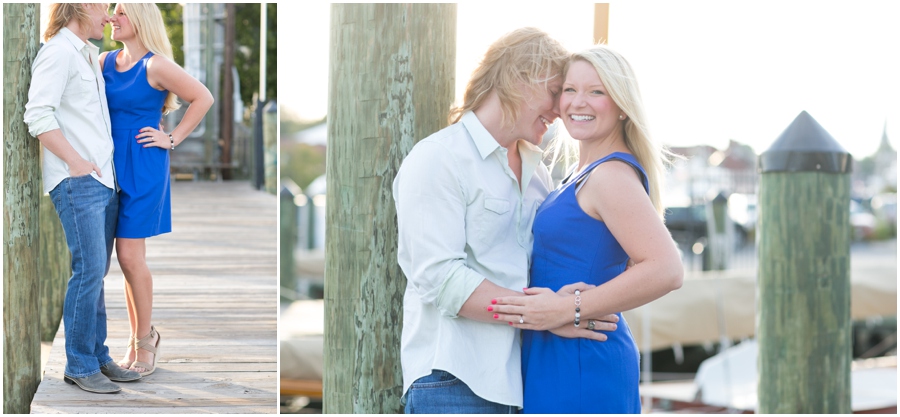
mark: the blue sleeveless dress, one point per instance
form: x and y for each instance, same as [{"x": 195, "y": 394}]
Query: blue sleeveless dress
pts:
[
  {"x": 145, "y": 207},
  {"x": 563, "y": 375}
]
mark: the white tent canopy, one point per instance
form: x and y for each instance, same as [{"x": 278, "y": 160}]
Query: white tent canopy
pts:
[{"x": 714, "y": 304}]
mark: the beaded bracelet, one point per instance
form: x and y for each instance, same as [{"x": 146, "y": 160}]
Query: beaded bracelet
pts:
[
  {"x": 577, "y": 307},
  {"x": 172, "y": 142}
]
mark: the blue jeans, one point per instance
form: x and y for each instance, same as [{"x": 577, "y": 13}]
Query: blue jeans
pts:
[
  {"x": 87, "y": 210},
  {"x": 443, "y": 393}
]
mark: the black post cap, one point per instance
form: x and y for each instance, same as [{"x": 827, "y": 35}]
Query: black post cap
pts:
[
  {"x": 720, "y": 199},
  {"x": 805, "y": 146}
]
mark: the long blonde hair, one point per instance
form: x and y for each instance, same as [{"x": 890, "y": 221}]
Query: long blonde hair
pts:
[
  {"x": 621, "y": 84},
  {"x": 151, "y": 31},
  {"x": 63, "y": 13},
  {"x": 527, "y": 55}
]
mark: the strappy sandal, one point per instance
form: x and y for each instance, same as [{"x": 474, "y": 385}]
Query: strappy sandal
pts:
[
  {"x": 125, "y": 364},
  {"x": 144, "y": 343}
]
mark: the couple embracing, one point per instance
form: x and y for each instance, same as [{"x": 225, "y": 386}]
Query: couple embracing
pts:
[
  {"x": 479, "y": 221},
  {"x": 106, "y": 167}
]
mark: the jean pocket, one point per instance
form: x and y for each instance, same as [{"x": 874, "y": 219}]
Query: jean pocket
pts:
[
  {"x": 437, "y": 379},
  {"x": 57, "y": 194},
  {"x": 80, "y": 177}
]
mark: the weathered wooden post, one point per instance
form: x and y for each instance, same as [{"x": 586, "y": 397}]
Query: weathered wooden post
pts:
[
  {"x": 21, "y": 214},
  {"x": 55, "y": 268},
  {"x": 287, "y": 223},
  {"x": 227, "y": 106},
  {"x": 719, "y": 233},
  {"x": 803, "y": 309},
  {"x": 391, "y": 84},
  {"x": 257, "y": 150},
  {"x": 270, "y": 143}
]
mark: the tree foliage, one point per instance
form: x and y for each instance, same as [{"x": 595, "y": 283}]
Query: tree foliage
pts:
[
  {"x": 248, "y": 45},
  {"x": 302, "y": 163},
  {"x": 172, "y": 17}
]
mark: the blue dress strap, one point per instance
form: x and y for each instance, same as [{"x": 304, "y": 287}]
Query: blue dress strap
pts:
[
  {"x": 620, "y": 156},
  {"x": 111, "y": 60}
]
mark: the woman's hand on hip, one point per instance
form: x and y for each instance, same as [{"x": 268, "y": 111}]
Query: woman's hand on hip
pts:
[{"x": 153, "y": 137}]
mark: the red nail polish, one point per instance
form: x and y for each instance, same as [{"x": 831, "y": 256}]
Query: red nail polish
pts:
[
  {"x": 490, "y": 308},
  {"x": 510, "y": 323},
  {"x": 494, "y": 301},
  {"x": 496, "y": 316}
]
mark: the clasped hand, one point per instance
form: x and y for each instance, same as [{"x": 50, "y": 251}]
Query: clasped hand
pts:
[{"x": 543, "y": 309}]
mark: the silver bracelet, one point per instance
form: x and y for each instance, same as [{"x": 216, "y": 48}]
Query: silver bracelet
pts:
[
  {"x": 577, "y": 307},
  {"x": 172, "y": 141}
]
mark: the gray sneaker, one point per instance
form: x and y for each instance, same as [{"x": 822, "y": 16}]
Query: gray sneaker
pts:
[
  {"x": 96, "y": 383},
  {"x": 116, "y": 373}
]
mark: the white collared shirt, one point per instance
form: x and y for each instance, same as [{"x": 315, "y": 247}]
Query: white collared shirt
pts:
[
  {"x": 462, "y": 218},
  {"x": 68, "y": 93}
]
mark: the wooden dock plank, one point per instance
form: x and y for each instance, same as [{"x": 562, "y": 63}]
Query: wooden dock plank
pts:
[
  {"x": 215, "y": 306},
  {"x": 217, "y": 408}
]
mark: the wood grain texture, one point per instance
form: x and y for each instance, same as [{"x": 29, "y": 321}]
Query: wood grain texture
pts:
[
  {"x": 287, "y": 231},
  {"x": 215, "y": 306},
  {"x": 270, "y": 143},
  {"x": 21, "y": 214},
  {"x": 55, "y": 268},
  {"x": 803, "y": 302},
  {"x": 391, "y": 84}
]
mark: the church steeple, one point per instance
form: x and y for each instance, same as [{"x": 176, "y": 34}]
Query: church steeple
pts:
[{"x": 885, "y": 144}]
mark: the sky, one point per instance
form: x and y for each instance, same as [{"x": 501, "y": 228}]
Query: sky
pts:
[{"x": 708, "y": 71}]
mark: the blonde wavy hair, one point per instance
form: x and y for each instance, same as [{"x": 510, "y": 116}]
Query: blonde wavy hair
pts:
[
  {"x": 63, "y": 13},
  {"x": 621, "y": 84},
  {"x": 151, "y": 32},
  {"x": 527, "y": 55}
]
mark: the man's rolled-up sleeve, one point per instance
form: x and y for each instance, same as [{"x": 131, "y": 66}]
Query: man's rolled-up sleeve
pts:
[
  {"x": 49, "y": 75},
  {"x": 431, "y": 215}
]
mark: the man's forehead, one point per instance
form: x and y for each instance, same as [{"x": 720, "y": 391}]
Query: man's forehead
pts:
[{"x": 550, "y": 78}]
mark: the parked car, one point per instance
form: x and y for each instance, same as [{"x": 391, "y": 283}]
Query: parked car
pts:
[
  {"x": 687, "y": 224},
  {"x": 862, "y": 221}
]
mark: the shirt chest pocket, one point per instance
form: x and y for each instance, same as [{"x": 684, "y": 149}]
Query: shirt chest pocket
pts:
[
  {"x": 496, "y": 205},
  {"x": 84, "y": 84},
  {"x": 494, "y": 221}
]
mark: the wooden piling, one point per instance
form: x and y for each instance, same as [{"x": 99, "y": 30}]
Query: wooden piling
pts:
[
  {"x": 803, "y": 303},
  {"x": 270, "y": 144},
  {"x": 288, "y": 229},
  {"x": 55, "y": 268},
  {"x": 21, "y": 214},
  {"x": 391, "y": 84}
]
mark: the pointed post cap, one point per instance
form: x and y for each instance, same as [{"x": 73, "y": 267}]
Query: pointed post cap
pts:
[{"x": 805, "y": 146}]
